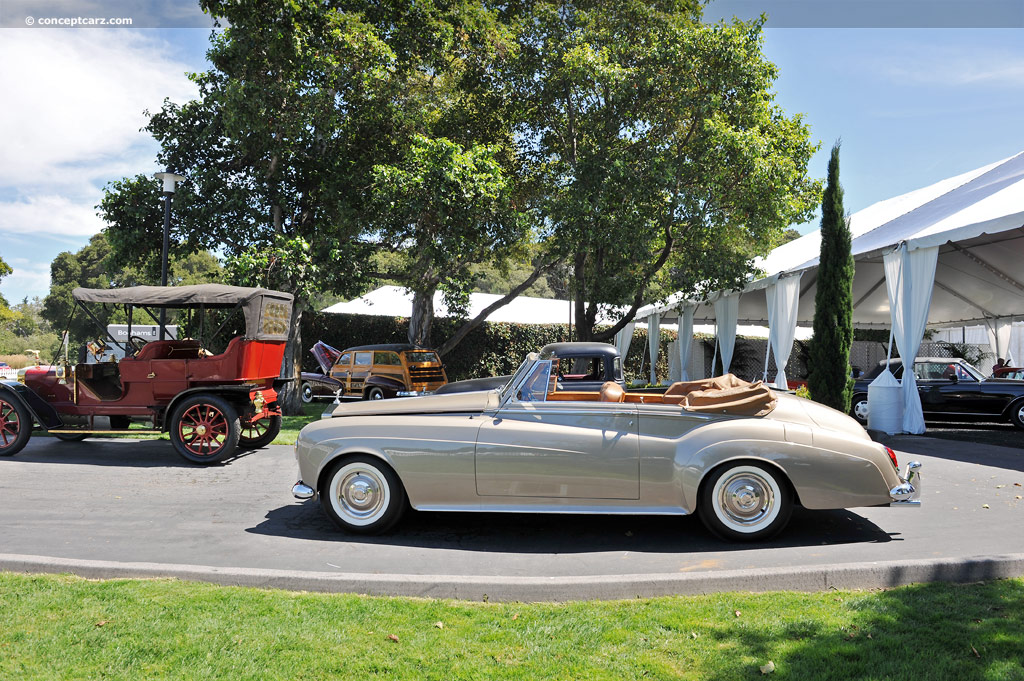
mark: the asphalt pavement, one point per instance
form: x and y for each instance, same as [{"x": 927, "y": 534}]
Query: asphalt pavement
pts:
[{"x": 110, "y": 508}]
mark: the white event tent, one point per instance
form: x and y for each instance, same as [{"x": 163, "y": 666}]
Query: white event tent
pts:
[
  {"x": 395, "y": 301},
  {"x": 950, "y": 254}
]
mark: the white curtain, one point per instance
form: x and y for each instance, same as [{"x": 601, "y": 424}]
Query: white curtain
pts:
[
  {"x": 909, "y": 280},
  {"x": 783, "y": 303},
  {"x": 623, "y": 339},
  {"x": 654, "y": 342},
  {"x": 727, "y": 309},
  {"x": 673, "y": 361},
  {"x": 999, "y": 337},
  {"x": 685, "y": 341}
]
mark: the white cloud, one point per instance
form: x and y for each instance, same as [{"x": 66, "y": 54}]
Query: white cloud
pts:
[
  {"x": 28, "y": 280},
  {"x": 75, "y": 101},
  {"x": 49, "y": 214},
  {"x": 951, "y": 67}
]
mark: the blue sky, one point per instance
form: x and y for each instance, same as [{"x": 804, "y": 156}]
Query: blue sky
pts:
[{"x": 912, "y": 107}]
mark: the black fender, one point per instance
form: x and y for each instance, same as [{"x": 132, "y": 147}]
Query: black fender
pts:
[
  {"x": 42, "y": 411},
  {"x": 1012, "y": 406},
  {"x": 237, "y": 395},
  {"x": 388, "y": 384}
]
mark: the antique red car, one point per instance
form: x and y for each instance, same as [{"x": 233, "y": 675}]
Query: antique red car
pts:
[{"x": 209, "y": 404}]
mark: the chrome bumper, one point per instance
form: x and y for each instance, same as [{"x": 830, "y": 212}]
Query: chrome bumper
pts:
[
  {"x": 908, "y": 493},
  {"x": 301, "y": 490}
]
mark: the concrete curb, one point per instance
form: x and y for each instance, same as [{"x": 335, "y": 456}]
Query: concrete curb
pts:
[{"x": 499, "y": 588}]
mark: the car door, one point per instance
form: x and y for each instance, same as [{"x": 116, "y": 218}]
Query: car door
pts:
[
  {"x": 342, "y": 370},
  {"x": 362, "y": 362},
  {"x": 529, "y": 447}
]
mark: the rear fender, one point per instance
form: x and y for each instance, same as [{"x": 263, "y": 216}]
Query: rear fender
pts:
[
  {"x": 237, "y": 395},
  {"x": 42, "y": 411}
]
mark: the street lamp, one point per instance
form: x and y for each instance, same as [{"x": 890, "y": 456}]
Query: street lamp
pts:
[{"x": 170, "y": 180}]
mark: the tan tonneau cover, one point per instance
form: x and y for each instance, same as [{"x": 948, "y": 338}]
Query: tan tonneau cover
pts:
[{"x": 722, "y": 395}]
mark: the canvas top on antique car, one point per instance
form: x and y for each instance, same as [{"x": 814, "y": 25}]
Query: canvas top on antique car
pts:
[{"x": 267, "y": 312}]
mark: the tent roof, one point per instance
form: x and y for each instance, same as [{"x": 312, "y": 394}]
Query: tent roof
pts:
[
  {"x": 977, "y": 219},
  {"x": 395, "y": 301}
]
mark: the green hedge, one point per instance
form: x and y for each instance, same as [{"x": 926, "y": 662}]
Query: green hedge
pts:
[{"x": 492, "y": 349}]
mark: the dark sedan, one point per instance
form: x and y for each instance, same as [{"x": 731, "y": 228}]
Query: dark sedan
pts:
[{"x": 951, "y": 389}]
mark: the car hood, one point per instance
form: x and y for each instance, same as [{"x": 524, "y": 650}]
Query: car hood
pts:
[{"x": 428, "y": 404}]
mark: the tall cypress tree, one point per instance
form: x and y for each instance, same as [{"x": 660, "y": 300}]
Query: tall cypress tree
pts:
[{"x": 829, "y": 381}]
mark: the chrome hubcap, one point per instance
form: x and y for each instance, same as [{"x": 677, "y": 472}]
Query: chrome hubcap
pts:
[
  {"x": 746, "y": 498},
  {"x": 861, "y": 409},
  {"x": 360, "y": 494}
]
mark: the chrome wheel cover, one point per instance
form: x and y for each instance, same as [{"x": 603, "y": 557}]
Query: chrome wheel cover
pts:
[
  {"x": 746, "y": 499},
  {"x": 860, "y": 410},
  {"x": 359, "y": 493}
]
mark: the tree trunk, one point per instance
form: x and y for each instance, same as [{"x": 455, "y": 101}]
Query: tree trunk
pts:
[
  {"x": 422, "y": 318},
  {"x": 291, "y": 366}
]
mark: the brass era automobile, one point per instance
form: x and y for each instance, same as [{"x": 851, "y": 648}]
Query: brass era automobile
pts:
[
  {"x": 373, "y": 372},
  {"x": 209, "y": 404},
  {"x": 737, "y": 454}
]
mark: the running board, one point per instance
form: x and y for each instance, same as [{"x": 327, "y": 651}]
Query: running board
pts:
[{"x": 79, "y": 431}]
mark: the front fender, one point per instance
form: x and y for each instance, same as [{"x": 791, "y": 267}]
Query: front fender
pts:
[
  {"x": 385, "y": 383},
  {"x": 42, "y": 411}
]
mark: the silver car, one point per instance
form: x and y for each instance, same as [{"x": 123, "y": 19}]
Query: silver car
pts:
[{"x": 738, "y": 455}]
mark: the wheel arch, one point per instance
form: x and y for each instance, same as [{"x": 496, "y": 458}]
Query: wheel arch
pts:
[
  {"x": 41, "y": 411},
  {"x": 384, "y": 383},
  {"x": 772, "y": 466},
  {"x": 237, "y": 395},
  {"x": 1013, "y": 405},
  {"x": 344, "y": 454}
]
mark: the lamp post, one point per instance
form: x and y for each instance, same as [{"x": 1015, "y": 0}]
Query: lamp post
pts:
[{"x": 170, "y": 180}]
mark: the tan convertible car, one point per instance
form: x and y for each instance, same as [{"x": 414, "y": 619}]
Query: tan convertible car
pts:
[{"x": 737, "y": 454}]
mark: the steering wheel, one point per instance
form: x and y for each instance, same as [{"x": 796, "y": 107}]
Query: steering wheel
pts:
[{"x": 136, "y": 343}]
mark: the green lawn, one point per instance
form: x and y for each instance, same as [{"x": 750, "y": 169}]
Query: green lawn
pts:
[{"x": 61, "y": 627}]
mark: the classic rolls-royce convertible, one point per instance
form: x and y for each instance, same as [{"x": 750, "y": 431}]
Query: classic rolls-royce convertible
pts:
[{"x": 737, "y": 454}]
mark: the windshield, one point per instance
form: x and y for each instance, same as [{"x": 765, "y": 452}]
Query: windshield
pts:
[
  {"x": 421, "y": 356},
  {"x": 518, "y": 375}
]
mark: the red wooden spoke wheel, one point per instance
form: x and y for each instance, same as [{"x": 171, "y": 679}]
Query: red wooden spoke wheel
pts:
[
  {"x": 15, "y": 425},
  {"x": 260, "y": 433},
  {"x": 204, "y": 429}
]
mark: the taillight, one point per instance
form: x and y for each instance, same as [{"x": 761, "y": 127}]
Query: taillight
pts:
[{"x": 892, "y": 457}]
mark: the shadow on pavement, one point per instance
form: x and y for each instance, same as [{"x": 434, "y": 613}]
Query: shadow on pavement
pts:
[
  {"x": 551, "y": 533},
  {"x": 985, "y": 455},
  {"x": 109, "y": 452}
]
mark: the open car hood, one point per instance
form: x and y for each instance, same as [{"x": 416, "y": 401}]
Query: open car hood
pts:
[{"x": 325, "y": 355}]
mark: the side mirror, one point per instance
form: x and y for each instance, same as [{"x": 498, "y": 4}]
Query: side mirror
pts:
[{"x": 954, "y": 378}]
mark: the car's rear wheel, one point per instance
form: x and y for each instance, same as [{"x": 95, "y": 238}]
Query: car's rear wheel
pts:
[
  {"x": 745, "y": 501},
  {"x": 204, "y": 429},
  {"x": 260, "y": 433},
  {"x": 307, "y": 393},
  {"x": 375, "y": 393},
  {"x": 859, "y": 408},
  {"x": 362, "y": 495},
  {"x": 15, "y": 426}
]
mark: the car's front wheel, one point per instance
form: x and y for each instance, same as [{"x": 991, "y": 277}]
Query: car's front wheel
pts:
[
  {"x": 204, "y": 429},
  {"x": 1017, "y": 414},
  {"x": 70, "y": 437},
  {"x": 859, "y": 408},
  {"x": 260, "y": 433},
  {"x": 375, "y": 393},
  {"x": 362, "y": 495},
  {"x": 15, "y": 426},
  {"x": 745, "y": 501},
  {"x": 307, "y": 393}
]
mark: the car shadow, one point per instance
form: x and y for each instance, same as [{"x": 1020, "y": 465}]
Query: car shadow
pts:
[
  {"x": 556, "y": 533},
  {"x": 123, "y": 452},
  {"x": 1009, "y": 458}
]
